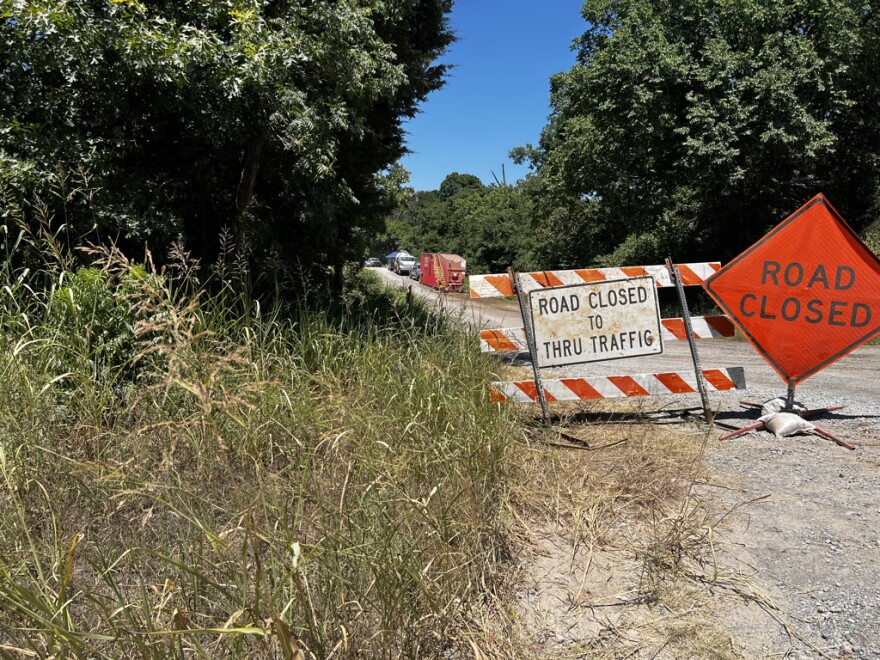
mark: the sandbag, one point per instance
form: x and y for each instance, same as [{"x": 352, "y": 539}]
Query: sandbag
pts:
[
  {"x": 776, "y": 405},
  {"x": 783, "y": 424}
]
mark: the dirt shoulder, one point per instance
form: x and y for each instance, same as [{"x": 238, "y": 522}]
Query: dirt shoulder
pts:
[{"x": 769, "y": 549}]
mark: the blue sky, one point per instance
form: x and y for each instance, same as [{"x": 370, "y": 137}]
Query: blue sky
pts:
[{"x": 497, "y": 96}]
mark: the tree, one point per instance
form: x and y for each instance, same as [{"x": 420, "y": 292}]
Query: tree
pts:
[
  {"x": 491, "y": 226},
  {"x": 496, "y": 229},
  {"x": 401, "y": 199},
  {"x": 425, "y": 221},
  {"x": 271, "y": 117},
  {"x": 690, "y": 128},
  {"x": 455, "y": 184}
]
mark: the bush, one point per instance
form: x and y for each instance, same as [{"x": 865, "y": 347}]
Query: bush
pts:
[{"x": 91, "y": 322}]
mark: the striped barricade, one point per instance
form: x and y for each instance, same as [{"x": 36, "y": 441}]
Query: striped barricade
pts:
[
  {"x": 705, "y": 327},
  {"x": 497, "y": 286},
  {"x": 607, "y": 387}
]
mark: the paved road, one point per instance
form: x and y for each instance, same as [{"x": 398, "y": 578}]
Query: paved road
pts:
[{"x": 487, "y": 313}]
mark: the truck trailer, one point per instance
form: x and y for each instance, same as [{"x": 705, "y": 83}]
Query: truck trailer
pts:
[{"x": 445, "y": 272}]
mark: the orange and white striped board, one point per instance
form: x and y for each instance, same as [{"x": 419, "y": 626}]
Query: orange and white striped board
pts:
[
  {"x": 705, "y": 327},
  {"x": 608, "y": 387},
  {"x": 497, "y": 286}
]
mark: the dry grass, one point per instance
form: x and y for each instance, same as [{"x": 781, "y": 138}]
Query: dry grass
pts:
[
  {"x": 592, "y": 494},
  {"x": 191, "y": 477}
]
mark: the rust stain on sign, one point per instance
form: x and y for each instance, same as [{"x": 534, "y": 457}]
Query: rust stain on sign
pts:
[{"x": 596, "y": 321}]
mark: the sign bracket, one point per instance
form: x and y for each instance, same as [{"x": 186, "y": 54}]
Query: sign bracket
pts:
[
  {"x": 789, "y": 397},
  {"x": 689, "y": 331},
  {"x": 805, "y": 414},
  {"x": 756, "y": 426}
]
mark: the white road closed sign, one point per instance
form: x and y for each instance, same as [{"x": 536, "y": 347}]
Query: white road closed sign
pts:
[{"x": 596, "y": 321}]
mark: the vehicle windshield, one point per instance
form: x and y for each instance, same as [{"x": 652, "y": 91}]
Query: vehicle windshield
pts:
[{"x": 408, "y": 260}]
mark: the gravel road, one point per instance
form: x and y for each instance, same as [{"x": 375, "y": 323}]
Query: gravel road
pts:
[
  {"x": 853, "y": 381},
  {"x": 808, "y": 541},
  {"x": 485, "y": 313}
]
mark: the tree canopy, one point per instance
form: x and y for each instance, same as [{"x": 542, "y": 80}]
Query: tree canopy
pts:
[
  {"x": 491, "y": 226},
  {"x": 689, "y": 128},
  {"x": 154, "y": 121}
]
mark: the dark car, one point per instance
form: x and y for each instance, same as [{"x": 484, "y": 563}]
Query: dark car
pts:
[
  {"x": 372, "y": 262},
  {"x": 415, "y": 273}
]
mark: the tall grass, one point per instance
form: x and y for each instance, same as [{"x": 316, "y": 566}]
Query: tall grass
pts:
[{"x": 192, "y": 475}]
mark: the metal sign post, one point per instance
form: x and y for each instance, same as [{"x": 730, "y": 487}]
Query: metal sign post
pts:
[
  {"x": 686, "y": 315},
  {"x": 789, "y": 397},
  {"x": 530, "y": 340}
]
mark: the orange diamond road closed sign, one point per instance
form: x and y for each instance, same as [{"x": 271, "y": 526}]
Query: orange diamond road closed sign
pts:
[{"x": 806, "y": 294}]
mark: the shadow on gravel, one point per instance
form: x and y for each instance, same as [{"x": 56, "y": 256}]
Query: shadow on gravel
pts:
[
  {"x": 515, "y": 358},
  {"x": 624, "y": 417},
  {"x": 752, "y": 416}
]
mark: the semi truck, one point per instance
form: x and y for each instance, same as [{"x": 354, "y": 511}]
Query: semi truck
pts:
[{"x": 400, "y": 262}]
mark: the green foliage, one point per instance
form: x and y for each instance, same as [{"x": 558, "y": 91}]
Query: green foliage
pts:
[
  {"x": 153, "y": 121},
  {"x": 871, "y": 236},
  {"x": 456, "y": 184},
  {"x": 90, "y": 323},
  {"x": 329, "y": 484},
  {"x": 496, "y": 229},
  {"x": 688, "y": 129},
  {"x": 491, "y": 226}
]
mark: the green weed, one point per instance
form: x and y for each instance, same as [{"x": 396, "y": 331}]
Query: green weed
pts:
[{"x": 187, "y": 474}]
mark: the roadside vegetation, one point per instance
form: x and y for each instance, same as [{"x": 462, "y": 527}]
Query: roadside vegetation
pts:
[
  {"x": 149, "y": 121},
  {"x": 190, "y": 474},
  {"x": 184, "y": 473}
]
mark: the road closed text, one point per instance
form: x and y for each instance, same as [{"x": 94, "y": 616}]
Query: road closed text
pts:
[
  {"x": 624, "y": 295},
  {"x": 800, "y": 306},
  {"x": 596, "y": 321}
]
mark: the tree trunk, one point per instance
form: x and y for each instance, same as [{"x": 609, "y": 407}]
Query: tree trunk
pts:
[{"x": 248, "y": 179}]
